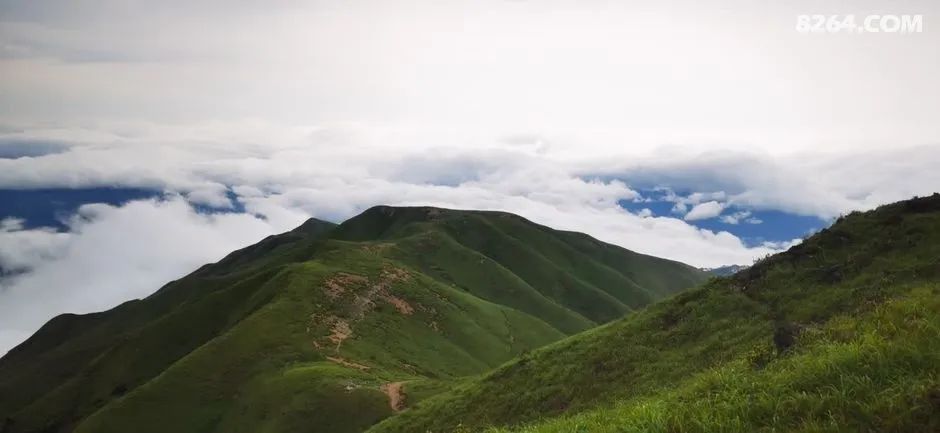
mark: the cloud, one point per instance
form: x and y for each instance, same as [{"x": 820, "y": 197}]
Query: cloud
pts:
[
  {"x": 110, "y": 255},
  {"x": 584, "y": 71},
  {"x": 114, "y": 253},
  {"x": 280, "y": 175},
  {"x": 14, "y": 147},
  {"x": 21, "y": 250},
  {"x": 701, "y": 211},
  {"x": 11, "y": 224},
  {"x": 740, "y": 216},
  {"x": 314, "y": 109},
  {"x": 823, "y": 183},
  {"x": 680, "y": 208}
]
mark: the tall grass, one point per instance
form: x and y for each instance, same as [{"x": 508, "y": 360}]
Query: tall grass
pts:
[{"x": 879, "y": 372}]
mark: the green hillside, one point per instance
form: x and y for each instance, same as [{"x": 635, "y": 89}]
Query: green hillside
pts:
[
  {"x": 840, "y": 333},
  {"x": 326, "y": 328}
]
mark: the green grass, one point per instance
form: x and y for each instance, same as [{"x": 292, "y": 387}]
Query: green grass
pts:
[
  {"x": 878, "y": 372},
  {"x": 470, "y": 310},
  {"x": 428, "y": 297},
  {"x": 204, "y": 389},
  {"x": 861, "y": 263}
]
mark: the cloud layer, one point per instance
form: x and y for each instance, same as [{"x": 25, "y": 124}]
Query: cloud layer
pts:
[
  {"x": 281, "y": 175},
  {"x": 560, "y": 111},
  {"x": 110, "y": 255}
]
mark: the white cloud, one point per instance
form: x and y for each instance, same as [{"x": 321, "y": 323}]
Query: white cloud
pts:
[
  {"x": 740, "y": 216},
  {"x": 212, "y": 195},
  {"x": 734, "y": 218},
  {"x": 11, "y": 224},
  {"x": 823, "y": 183},
  {"x": 582, "y": 73},
  {"x": 323, "y": 109},
  {"x": 781, "y": 245},
  {"x": 680, "y": 208},
  {"x": 702, "y": 211},
  {"x": 111, "y": 255},
  {"x": 20, "y": 249}
]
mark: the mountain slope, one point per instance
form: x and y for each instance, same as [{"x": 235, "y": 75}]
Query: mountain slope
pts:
[
  {"x": 840, "y": 333},
  {"x": 305, "y": 331}
]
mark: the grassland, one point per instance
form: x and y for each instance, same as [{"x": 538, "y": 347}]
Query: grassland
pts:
[
  {"x": 837, "y": 334},
  {"x": 878, "y": 372},
  {"x": 482, "y": 321},
  {"x": 305, "y": 331}
]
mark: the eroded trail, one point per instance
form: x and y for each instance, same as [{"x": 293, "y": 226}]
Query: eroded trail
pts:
[{"x": 396, "y": 398}]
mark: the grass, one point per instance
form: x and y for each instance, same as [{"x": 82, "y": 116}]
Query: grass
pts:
[
  {"x": 301, "y": 331},
  {"x": 879, "y": 372},
  {"x": 863, "y": 262},
  {"x": 205, "y": 389},
  {"x": 496, "y": 324}
]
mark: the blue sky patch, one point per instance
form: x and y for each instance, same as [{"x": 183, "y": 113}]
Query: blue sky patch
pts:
[
  {"x": 48, "y": 207},
  {"x": 754, "y": 227}
]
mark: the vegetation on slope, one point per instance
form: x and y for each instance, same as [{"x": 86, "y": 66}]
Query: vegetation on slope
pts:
[
  {"x": 308, "y": 330},
  {"x": 838, "y": 333},
  {"x": 877, "y": 371}
]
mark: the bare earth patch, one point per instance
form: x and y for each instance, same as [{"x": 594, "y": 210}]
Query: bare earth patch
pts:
[
  {"x": 393, "y": 274},
  {"x": 340, "y": 332},
  {"x": 336, "y": 285},
  {"x": 363, "y": 302},
  {"x": 396, "y": 398},
  {"x": 350, "y": 364},
  {"x": 400, "y": 304}
]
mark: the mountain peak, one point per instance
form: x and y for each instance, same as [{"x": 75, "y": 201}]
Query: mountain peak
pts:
[
  {"x": 800, "y": 326},
  {"x": 314, "y": 226},
  {"x": 320, "y": 318}
]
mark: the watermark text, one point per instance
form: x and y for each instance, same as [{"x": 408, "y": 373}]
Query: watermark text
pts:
[{"x": 851, "y": 23}]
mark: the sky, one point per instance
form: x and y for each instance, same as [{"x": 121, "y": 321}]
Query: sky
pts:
[{"x": 139, "y": 140}]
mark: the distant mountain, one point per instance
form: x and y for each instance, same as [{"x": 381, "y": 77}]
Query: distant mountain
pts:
[
  {"x": 327, "y": 328},
  {"x": 724, "y": 271},
  {"x": 839, "y": 333}
]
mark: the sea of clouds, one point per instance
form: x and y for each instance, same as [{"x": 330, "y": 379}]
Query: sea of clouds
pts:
[{"x": 281, "y": 176}]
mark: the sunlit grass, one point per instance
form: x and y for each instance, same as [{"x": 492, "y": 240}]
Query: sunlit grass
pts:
[{"x": 879, "y": 372}]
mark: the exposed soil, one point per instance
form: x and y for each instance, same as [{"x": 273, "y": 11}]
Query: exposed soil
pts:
[
  {"x": 361, "y": 303},
  {"x": 346, "y": 363},
  {"x": 340, "y": 332},
  {"x": 337, "y": 284},
  {"x": 392, "y": 274},
  {"x": 396, "y": 398},
  {"x": 400, "y": 304}
]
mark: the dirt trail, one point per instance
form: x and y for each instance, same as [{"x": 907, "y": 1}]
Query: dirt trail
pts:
[
  {"x": 346, "y": 363},
  {"x": 396, "y": 398}
]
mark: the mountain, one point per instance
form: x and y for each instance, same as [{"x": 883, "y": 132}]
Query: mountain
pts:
[
  {"x": 327, "y": 328},
  {"x": 724, "y": 271},
  {"x": 839, "y": 333}
]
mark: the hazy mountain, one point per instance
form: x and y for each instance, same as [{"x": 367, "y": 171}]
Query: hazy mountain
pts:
[{"x": 724, "y": 271}]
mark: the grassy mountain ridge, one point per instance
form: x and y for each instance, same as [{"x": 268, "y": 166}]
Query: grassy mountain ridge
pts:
[
  {"x": 837, "y": 334},
  {"x": 71, "y": 351},
  {"x": 324, "y": 317}
]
